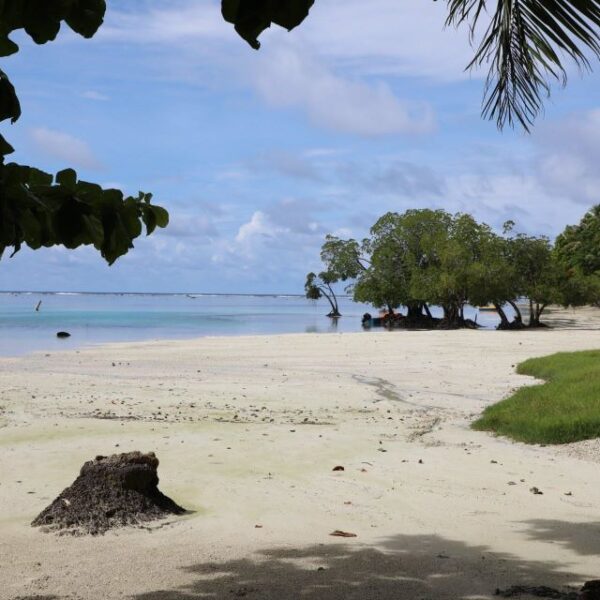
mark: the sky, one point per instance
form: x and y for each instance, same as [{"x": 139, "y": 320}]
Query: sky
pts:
[{"x": 363, "y": 109}]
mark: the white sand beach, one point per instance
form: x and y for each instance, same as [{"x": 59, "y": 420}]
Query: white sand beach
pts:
[{"x": 248, "y": 430}]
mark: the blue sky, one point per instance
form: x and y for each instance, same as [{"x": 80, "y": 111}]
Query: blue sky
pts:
[{"x": 258, "y": 155}]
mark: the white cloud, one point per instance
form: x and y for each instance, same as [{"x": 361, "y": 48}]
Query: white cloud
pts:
[
  {"x": 173, "y": 22},
  {"x": 288, "y": 77},
  {"x": 95, "y": 95},
  {"x": 256, "y": 230},
  {"x": 379, "y": 37},
  {"x": 61, "y": 146},
  {"x": 320, "y": 71},
  {"x": 182, "y": 225},
  {"x": 567, "y": 163},
  {"x": 285, "y": 235},
  {"x": 388, "y": 37}
]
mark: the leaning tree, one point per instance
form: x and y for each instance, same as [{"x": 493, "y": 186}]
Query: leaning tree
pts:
[{"x": 321, "y": 286}]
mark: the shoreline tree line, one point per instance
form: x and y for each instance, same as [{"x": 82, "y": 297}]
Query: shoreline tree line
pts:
[{"x": 423, "y": 258}]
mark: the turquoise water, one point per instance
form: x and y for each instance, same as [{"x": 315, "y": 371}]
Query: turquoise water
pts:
[{"x": 101, "y": 318}]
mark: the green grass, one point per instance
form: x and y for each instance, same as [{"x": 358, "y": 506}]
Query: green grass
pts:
[{"x": 564, "y": 409}]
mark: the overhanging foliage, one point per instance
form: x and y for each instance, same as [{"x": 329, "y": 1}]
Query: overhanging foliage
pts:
[
  {"x": 523, "y": 43},
  {"x": 36, "y": 208},
  {"x": 252, "y": 17}
]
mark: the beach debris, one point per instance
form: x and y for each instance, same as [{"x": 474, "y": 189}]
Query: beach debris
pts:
[
  {"x": 63, "y": 334},
  {"x": 338, "y": 468},
  {"x": 112, "y": 491},
  {"x": 512, "y": 483},
  {"x": 344, "y": 534},
  {"x": 590, "y": 590},
  {"x": 536, "y": 491},
  {"x": 243, "y": 591}
]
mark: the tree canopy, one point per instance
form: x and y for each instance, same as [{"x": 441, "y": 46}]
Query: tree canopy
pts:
[
  {"x": 523, "y": 43},
  {"x": 578, "y": 248},
  {"x": 579, "y": 245},
  {"x": 426, "y": 257}
]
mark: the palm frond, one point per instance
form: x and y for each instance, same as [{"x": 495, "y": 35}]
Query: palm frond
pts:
[{"x": 525, "y": 45}]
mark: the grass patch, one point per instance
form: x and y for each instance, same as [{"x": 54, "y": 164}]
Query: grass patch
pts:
[{"x": 564, "y": 409}]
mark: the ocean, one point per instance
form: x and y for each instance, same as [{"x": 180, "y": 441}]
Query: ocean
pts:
[{"x": 102, "y": 318}]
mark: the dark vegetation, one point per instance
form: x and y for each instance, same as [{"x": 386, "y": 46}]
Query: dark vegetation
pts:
[
  {"x": 42, "y": 210},
  {"x": 566, "y": 408},
  {"x": 423, "y": 258}
]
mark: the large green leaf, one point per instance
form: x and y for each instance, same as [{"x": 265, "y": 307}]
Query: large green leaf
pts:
[
  {"x": 67, "y": 178},
  {"x": 41, "y": 19},
  {"x": 37, "y": 210},
  {"x": 7, "y": 46},
  {"x": 252, "y": 17},
  {"x": 5, "y": 148},
  {"x": 86, "y": 16},
  {"x": 10, "y": 107}
]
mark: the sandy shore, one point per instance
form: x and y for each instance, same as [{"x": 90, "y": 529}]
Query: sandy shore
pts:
[{"x": 248, "y": 431}]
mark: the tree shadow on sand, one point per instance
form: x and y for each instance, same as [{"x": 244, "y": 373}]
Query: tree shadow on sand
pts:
[
  {"x": 36, "y": 597},
  {"x": 582, "y": 538},
  {"x": 401, "y": 568}
]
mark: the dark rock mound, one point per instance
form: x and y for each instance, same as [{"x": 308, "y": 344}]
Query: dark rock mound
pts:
[
  {"x": 63, "y": 334},
  {"x": 113, "y": 491},
  {"x": 591, "y": 590}
]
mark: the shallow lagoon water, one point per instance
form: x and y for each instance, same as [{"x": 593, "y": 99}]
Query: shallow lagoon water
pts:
[{"x": 102, "y": 318}]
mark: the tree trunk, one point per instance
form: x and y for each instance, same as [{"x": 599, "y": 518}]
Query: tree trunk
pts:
[
  {"x": 333, "y": 303},
  {"x": 504, "y": 323},
  {"x": 427, "y": 311},
  {"x": 539, "y": 312},
  {"x": 336, "y": 310},
  {"x": 413, "y": 312},
  {"x": 535, "y": 320},
  {"x": 531, "y": 313},
  {"x": 452, "y": 315}
]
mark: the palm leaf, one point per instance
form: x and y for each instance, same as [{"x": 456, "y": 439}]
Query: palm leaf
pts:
[{"x": 525, "y": 45}]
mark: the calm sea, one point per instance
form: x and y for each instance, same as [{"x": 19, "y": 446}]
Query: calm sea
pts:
[{"x": 101, "y": 318}]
